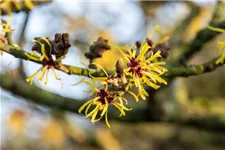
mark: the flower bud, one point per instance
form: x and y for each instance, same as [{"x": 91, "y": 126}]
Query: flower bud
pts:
[{"x": 119, "y": 67}]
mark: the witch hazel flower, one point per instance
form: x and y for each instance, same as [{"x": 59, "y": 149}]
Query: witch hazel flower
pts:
[
  {"x": 221, "y": 44},
  {"x": 101, "y": 101},
  {"x": 48, "y": 63},
  {"x": 143, "y": 69}
]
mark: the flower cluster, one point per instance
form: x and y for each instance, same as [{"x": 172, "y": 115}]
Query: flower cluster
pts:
[
  {"x": 47, "y": 61},
  {"x": 141, "y": 68},
  {"x": 47, "y": 48},
  {"x": 221, "y": 59},
  {"x": 7, "y": 6},
  {"x": 103, "y": 97},
  {"x": 5, "y": 29}
]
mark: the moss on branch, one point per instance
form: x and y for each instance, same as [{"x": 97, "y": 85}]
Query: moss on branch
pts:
[
  {"x": 193, "y": 70},
  {"x": 73, "y": 70}
]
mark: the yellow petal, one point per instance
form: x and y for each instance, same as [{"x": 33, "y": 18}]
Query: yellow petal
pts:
[
  {"x": 29, "y": 4},
  {"x": 106, "y": 120},
  {"x": 134, "y": 95},
  {"x": 84, "y": 105},
  {"x": 216, "y": 29},
  {"x": 105, "y": 107}
]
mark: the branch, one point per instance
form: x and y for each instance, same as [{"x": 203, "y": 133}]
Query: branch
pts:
[
  {"x": 45, "y": 98},
  {"x": 73, "y": 70},
  {"x": 21, "y": 42},
  {"x": 193, "y": 70},
  {"x": 194, "y": 46},
  {"x": 19, "y": 53},
  {"x": 181, "y": 27},
  {"x": 38, "y": 95},
  {"x": 42, "y": 97},
  {"x": 153, "y": 105},
  {"x": 218, "y": 15},
  {"x": 23, "y": 30}
]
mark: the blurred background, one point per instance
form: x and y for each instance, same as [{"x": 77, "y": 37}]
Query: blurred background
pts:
[{"x": 192, "y": 110}]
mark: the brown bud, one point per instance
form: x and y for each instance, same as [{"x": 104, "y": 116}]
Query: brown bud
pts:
[
  {"x": 149, "y": 41},
  {"x": 138, "y": 44},
  {"x": 163, "y": 47},
  {"x": 97, "y": 49},
  {"x": 61, "y": 44},
  {"x": 119, "y": 67}
]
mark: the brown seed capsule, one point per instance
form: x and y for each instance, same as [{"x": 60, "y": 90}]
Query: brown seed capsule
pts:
[
  {"x": 149, "y": 41},
  {"x": 163, "y": 47},
  {"x": 97, "y": 49},
  {"x": 61, "y": 44}
]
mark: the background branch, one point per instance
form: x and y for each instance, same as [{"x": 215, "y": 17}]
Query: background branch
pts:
[
  {"x": 182, "y": 26},
  {"x": 38, "y": 95},
  {"x": 21, "y": 42},
  {"x": 42, "y": 97},
  {"x": 194, "y": 46}
]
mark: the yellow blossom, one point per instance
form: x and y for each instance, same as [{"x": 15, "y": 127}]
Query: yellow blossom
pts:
[
  {"x": 143, "y": 70},
  {"x": 114, "y": 81},
  {"x": 156, "y": 29},
  {"x": 101, "y": 102},
  {"x": 47, "y": 61},
  {"x": 6, "y": 27},
  {"x": 221, "y": 59},
  {"x": 7, "y": 5},
  {"x": 17, "y": 120},
  {"x": 53, "y": 133}
]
